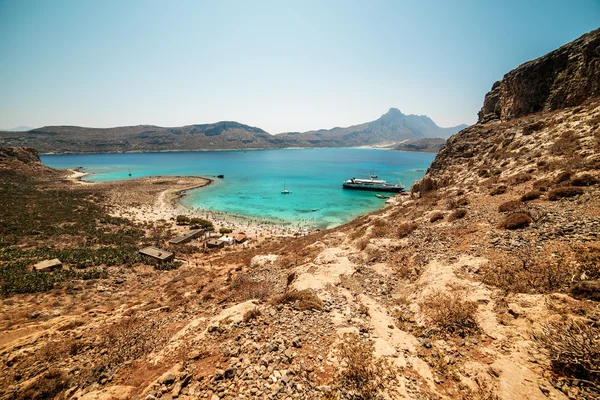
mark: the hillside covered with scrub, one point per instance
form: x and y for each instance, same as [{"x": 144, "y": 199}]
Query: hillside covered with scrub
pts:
[{"x": 483, "y": 282}]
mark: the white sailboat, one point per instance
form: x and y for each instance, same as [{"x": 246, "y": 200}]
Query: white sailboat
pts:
[{"x": 285, "y": 191}]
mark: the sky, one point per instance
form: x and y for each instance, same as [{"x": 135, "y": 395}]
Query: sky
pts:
[{"x": 278, "y": 65}]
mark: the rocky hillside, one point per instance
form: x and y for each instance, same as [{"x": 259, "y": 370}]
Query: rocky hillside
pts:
[
  {"x": 390, "y": 128},
  {"x": 422, "y": 145},
  {"x": 482, "y": 283},
  {"x": 566, "y": 77}
]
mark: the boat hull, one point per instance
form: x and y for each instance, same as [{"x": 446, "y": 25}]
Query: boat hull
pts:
[{"x": 374, "y": 188}]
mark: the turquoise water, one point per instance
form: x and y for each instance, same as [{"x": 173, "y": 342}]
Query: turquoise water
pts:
[{"x": 254, "y": 179}]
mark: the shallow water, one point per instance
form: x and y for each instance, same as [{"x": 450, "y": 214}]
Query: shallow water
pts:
[{"x": 254, "y": 179}]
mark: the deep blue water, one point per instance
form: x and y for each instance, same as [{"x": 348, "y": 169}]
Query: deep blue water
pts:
[{"x": 254, "y": 179}]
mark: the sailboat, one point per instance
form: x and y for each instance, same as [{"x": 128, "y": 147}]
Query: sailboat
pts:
[
  {"x": 285, "y": 191},
  {"x": 129, "y": 172}
]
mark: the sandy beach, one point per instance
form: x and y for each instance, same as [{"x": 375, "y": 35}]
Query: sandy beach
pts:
[{"x": 153, "y": 199}]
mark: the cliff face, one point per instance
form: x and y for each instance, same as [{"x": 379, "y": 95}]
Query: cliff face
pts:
[
  {"x": 566, "y": 77},
  {"x": 25, "y": 155}
]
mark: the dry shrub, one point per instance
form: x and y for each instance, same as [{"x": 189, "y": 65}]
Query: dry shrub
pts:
[
  {"x": 405, "y": 229},
  {"x": 533, "y": 127},
  {"x": 245, "y": 288},
  {"x": 574, "y": 349},
  {"x": 566, "y": 144},
  {"x": 449, "y": 314},
  {"x": 516, "y": 220},
  {"x": 511, "y": 205},
  {"x": 541, "y": 185},
  {"x": 381, "y": 229},
  {"x": 362, "y": 376},
  {"x": 532, "y": 195},
  {"x": 584, "y": 180},
  {"x": 519, "y": 178},
  {"x": 562, "y": 192},
  {"x": 251, "y": 314},
  {"x": 452, "y": 204},
  {"x": 498, "y": 190},
  {"x": 529, "y": 272},
  {"x": 302, "y": 299},
  {"x": 363, "y": 242},
  {"x": 436, "y": 216},
  {"x": 457, "y": 214},
  {"x": 562, "y": 177}
]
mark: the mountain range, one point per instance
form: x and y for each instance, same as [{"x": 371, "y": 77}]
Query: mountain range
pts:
[{"x": 391, "y": 128}]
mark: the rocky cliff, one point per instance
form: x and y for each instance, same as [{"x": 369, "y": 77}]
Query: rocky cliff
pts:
[{"x": 566, "y": 77}]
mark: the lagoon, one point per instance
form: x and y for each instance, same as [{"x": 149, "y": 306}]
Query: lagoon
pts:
[{"x": 254, "y": 179}]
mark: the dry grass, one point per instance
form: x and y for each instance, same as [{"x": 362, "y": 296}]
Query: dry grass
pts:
[
  {"x": 564, "y": 192},
  {"x": 449, "y": 314},
  {"x": 516, "y": 220},
  {"x": 405, "y": 229},
  {"x": 531, "y": 271},
  {"x": 498, "y": 190},
  {"x": 574, "y": 350},
  {"x": 251, "y": 314},
  {"x": 302, "y": 299},
  {"x": 362, "y": 376},
  {"x": 457, "y": 214},
  {"x": 245, "y": 288},
  {"x": 511, "y": 205},
  {"x": 531, "y": 195},
  {"x": 436, "y": 216},
  {"x": 585, "y": 179}
]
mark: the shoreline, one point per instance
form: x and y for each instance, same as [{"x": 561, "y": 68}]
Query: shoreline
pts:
[{"x": 158, "y": 198}]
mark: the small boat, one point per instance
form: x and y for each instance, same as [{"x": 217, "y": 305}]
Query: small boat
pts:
[
  {"x": 221, "y": 176},
  {"x": 382, "y": 196},
  {"x": 285, "y": 191},
  {"x": 130, "y": 172}
]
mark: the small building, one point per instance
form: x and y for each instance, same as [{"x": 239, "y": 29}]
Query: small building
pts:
[
  {"x": 157, "y": 254},
  {"x": 187, "y": 237},
  {"x": 48, "y": 265},
  {"x": 228, "y": 241},
  {"x": 215, "y": 244},
  {"x": 240, "y": 238}
]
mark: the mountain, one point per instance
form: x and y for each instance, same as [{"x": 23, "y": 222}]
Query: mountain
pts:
[
  {"x": 17, "y": 129},
  {"x": 75, "y": 139},
  {"x": 391, "y": 128}
]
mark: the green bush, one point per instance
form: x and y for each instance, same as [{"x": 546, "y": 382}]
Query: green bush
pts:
[
  {"x": 225, "y": 230},
  {"x": 182, "y": 220}
]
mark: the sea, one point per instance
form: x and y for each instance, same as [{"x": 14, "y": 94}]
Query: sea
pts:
[{"x": 254, "y": 179}]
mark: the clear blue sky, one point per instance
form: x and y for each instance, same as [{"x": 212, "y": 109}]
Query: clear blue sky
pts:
[{"x": 279, "y": 65}]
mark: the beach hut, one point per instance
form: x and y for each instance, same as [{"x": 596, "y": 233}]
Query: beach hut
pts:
[
  {"x": 157, "y": 254},
  {"x": 215, "y": 244},
  {"x": 187, "y": 237},
  {"x": 240, "y": 238}
]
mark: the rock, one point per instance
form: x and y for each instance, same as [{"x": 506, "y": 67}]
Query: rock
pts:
[
  {"x": 229, "y": 373},
  {"x": 544, "y": 390},
  {"x": 214, "y": 327},
  {"x": 167, "y": 378},
  {"x": 426, "y": 343}
]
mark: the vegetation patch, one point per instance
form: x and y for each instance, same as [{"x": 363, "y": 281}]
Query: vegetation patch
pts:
[
  {"x": 509, "y": 206},
  {"x": 449, "y": 314},
  {"x": 531, "y": 195},
  {"x": 457, "y": 214},
  {"x": 362, "y": 375},
  {"x": 516, "y": 220},
  {"x": 302, "y": 299},
  {"x": 564, "y": 192},
  {"x": 574, "y": 350},
  {"x": 436, "y": 216}
]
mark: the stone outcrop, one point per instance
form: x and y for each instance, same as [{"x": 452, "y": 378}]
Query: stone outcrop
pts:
[
  {"x": 25, "y": 155},
  {"x": 565, "y": 77}
]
